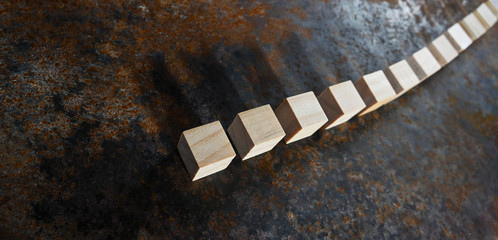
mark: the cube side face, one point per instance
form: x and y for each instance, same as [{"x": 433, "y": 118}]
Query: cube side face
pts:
[
  {"x": 307, "y": 109},
  {"x": 445, "y": 49},
  {"x": 459, "y": 37},
  {"x": 404, "y": 75},
  {"x": 213, "y": 168},
  {"x": 330, "y": 106},
  {"x": 240, "y": 137},
  {"x": 305, "y": 132},
  {"x": 426, "y": 61},
  {"x": 486, "y": 16},
  {"x": 261, "y": 148},
  {"x": 262, "y": 124},
  {"x": 472, "y": 26},
  {"x": 380, "y": 86},
  {"x": 187, "y": 157},
  {"x": 209, "y": 144},
  {"x": 287, "y": 120}
]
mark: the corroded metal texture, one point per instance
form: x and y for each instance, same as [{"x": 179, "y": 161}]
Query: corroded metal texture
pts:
[{"x": 94, "y": 96}]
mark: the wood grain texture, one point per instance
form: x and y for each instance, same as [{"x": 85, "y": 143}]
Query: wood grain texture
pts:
[
  {"x": 472, "y": 26},
  {"x": 427, "y": 62},
  {"x": 485, "y": 16},
  {"x": 300, "y": 116},
  {"x": 255, "y": 131},
  {"x": 375, "y": 90},
  {"x": 443, "y": 50},
  {"x": 205, "y": 150},
  {"x": 493, "y": 6},
  {"x": 459, "y": 38},
  {"x": 404, "y": 76},
  {"x": 340, "y": 103}
]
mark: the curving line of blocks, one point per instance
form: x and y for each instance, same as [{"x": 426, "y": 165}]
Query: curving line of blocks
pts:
[{"x": 206, "y": 149}]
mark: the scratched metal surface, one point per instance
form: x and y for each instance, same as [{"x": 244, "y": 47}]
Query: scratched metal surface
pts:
[{"x": 94, "y": 96}]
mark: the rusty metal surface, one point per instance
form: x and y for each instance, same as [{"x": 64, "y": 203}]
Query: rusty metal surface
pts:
[{"x": 94, "y": 96}]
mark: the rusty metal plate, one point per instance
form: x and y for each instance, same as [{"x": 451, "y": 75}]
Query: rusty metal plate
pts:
[{"x": 94, "y": 96}]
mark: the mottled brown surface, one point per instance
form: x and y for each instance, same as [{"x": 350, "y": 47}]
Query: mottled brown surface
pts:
[{"x": 94, "y": 96}]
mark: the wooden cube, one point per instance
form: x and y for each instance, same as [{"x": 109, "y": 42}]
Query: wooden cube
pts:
[
  {"x": 458, "y": 37},
  {"x": 493, "y": 6},
  {"x": 255, "y": 131},
  {"x": 300, "y": 116},
  {"x": 443, "y": 50},
  {"x": 205, "y": 150},
  {"x": 375, "y": 90},
  {"x": 473, "y": 26},
  {"x": 340, "y": 103},
  {"x": 486, "y": 16},
  {"x": 423, "y": 63},
  {"x": 402, "y": 77}
]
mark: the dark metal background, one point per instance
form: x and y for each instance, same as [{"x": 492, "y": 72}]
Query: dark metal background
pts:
[{"x": 94, "y": 96}]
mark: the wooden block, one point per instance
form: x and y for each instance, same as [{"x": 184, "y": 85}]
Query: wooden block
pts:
[
  {"x": 255, "y": 131},
  {"x": 375, "y": 90},
  {"x": 402, "y": 77},
  {"x": 458, "y": 37},
  {"x": 340, "y": 103},
  {"x": 205, "y": 150},
  {"x": 300, "y": 116},
  {"x": 473, "y": 26},
  {"x": 493, "y": 6},
  {"x": 486, "y": 16},
  {"x": 426, "y": 61},
  {"x": 443, "y": 50}
]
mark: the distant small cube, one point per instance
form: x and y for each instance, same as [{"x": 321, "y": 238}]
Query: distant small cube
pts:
[
  {"x": 486, "y": 15},
  {"x": 205, "y": 150},
  {"x": 426, "y": 63},
  {"x": 473, "y": 26},
  {"x": 443, "y": 50},
  {"x": 458, "y": 37},
  {"x": 375, "y": 90},
  {"x": 255, "y": 131},
  {"x": 300, "y": 116},
  {"x": 340, "y": 103},
  {"x": 402, "y": 77}
]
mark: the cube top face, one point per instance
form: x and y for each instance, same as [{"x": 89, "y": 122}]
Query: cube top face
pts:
[
  {"x": 209, "y": 144},
  {"x": 426, "y": 61},
  {"x": 261, "y": 124},
  {"x": 445, "y": 49},
  {"x": 307, "y": 109},
  {"x": 379, "y": 86},
  {"x": 404, "y": 74},
  {"x": 487, "y": 17},
  {"x": 472, "y": 26},
  {"x": 347, "y": 97},
  {"x": 460, "y": 37}
]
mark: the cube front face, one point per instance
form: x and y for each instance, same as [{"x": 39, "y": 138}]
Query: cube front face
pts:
[
  {"x": 375, "y": 90},
  {"x": 493, "y": 6},
  {"x": 255, "y": 131},
  {"x": 486, "y": 16},
  {"x": 300, "y": 116},
  {"x": 442, "y": 50},
  {"x": 340, "y": 103},
  {"x": 205, "y": 150},
  {"x": 427, "y": 62},
  {"x": 473, "y": 26},
  {"x": 459, "y": 37}
]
